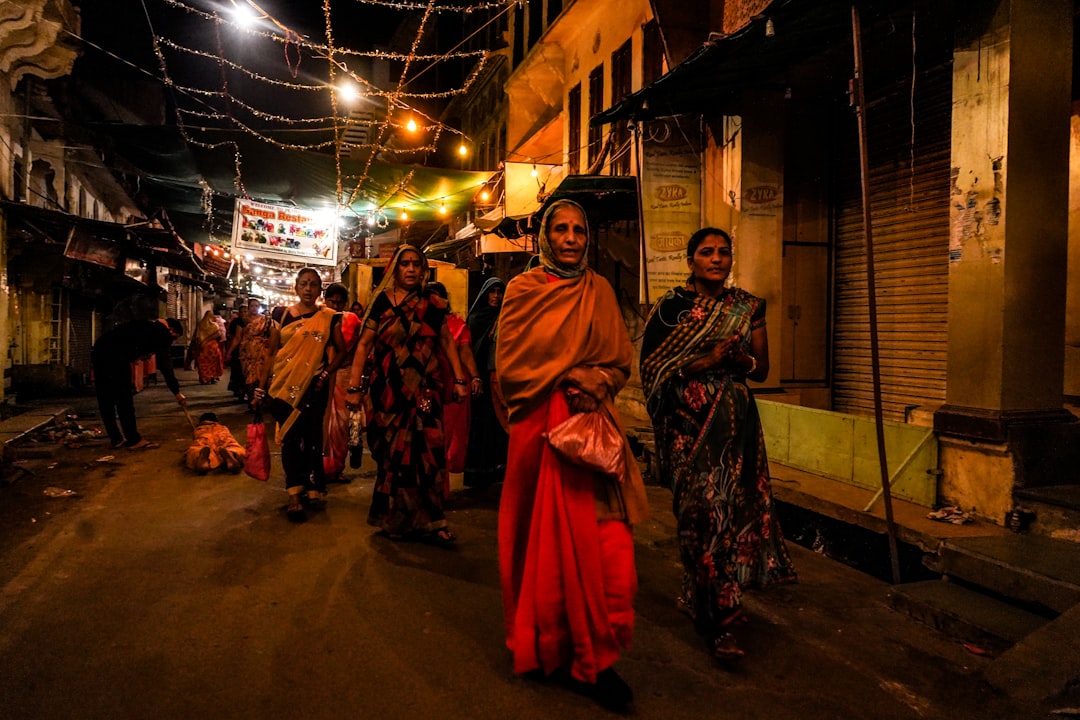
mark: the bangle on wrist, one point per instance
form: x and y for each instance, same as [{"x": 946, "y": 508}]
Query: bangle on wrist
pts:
[
  {"x": 753, "y": 364},
  {"x": 459, "y": 381},
  {"x": 353, "y": 389}
]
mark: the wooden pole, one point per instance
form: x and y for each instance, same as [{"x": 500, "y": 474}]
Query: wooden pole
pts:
[{"x": 875, "y": 362}]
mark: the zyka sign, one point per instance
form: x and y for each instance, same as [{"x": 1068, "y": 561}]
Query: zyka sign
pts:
[{"x": 284, "y": 233}]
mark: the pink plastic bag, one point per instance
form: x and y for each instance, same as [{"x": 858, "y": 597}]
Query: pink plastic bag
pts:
[{"x": 257, "y": 464}]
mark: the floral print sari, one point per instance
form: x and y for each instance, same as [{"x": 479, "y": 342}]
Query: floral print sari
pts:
[
  {"x": 710, "y": 443},
  {"x": 405, "y": 430}
]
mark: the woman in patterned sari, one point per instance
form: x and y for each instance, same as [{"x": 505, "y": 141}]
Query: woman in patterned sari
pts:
[
  {"x": 205, "y": 349},
  {"x": 297, "y": 391},
  {"x": 403, "y": 329},
  {"x": 702, "y": 342},
  {"x": 251, "y": 345}
]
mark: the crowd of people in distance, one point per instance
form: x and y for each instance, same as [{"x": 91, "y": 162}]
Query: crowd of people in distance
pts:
[{"x": 482, "y": 395}]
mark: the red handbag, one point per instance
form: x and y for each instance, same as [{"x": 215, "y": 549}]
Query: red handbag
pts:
[
  {"x": 591, "y": 440},
  {"x": 257, "y": 464}
]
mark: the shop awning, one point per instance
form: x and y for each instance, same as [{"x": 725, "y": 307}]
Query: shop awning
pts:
[
  {"x": 760, "y": 55},
  {"x": 604, "y": 197},
  {"x": 97, "y": 241}
]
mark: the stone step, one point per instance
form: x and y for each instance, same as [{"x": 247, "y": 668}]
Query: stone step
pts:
[
  {"x": 1056, "y": 510},
  {"x": 1029, "y": 570},
  {"x": 965, "y": 614}
]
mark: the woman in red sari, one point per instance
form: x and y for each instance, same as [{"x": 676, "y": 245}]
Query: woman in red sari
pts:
[
  {"x": 403, "y": 330},
  {"x": 566, "y": 551},
  {"x": 456, "y": 415},
  {"x": 336, "y": 434}
]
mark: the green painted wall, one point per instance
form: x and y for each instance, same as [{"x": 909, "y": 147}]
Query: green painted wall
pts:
[{"x": 844, "y": 447}]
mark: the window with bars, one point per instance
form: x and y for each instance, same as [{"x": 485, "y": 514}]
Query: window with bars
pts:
[
  {"x": 652, "y": 53},
  {"x": 621, "y": 66},
  {"x": 573, "y": 127},
  {"x": 596, "y": 106}
]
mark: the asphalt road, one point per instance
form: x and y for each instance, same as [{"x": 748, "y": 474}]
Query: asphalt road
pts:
[{"x": 157, "y": 593}]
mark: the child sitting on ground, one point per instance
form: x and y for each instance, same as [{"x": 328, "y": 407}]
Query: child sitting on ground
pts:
[{"x": 214, "y": 447}]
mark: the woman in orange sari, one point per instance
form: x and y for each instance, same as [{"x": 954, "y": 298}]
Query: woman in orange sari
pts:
[
  {"x": 566, "y": 550},
  {"x": 205, "y": 349}
]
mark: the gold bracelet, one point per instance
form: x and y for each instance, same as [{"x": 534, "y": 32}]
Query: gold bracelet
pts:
[{"x": 753, "y": 364}]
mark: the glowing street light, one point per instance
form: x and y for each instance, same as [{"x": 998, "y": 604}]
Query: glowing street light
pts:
[
  {"x": 244, "y": 14},
  {"x": 348, "y": 92}
]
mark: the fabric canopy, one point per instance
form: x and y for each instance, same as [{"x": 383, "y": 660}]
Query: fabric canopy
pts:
[{"x": 177, "y": 176}]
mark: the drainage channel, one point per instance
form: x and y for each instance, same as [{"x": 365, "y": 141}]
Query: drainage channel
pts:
[{"x": 854, "y": 546}]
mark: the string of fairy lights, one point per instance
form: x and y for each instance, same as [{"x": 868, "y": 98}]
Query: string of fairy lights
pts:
[{"x": 208, "y": 111}]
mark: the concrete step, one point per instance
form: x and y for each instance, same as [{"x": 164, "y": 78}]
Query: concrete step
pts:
[
  {"x": 1029, "y": 570},
  {"x": 1056, "y": 510},
  {"x": 965, "y": 614},
  {"x": 20, "y": 426}
]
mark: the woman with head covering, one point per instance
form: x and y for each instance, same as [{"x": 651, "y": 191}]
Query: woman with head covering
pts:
[
  {"x": 404, "y": 327},
  {"x": 205, "y": 349},
  {"x": 701, "y": 343},
  {"x": 485, "y": 462},
  {"x": 336, "y": 436},
  {"x": 456, "y": 415},
  {"x": 566, "y": 551},
  {"x": 252, "y": 345},
  {"x": 295, "y": 385}
]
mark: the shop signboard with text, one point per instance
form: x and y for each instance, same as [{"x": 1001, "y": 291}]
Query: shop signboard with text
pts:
[
  {"x": 284, "y": 233},
  {"x": 670, "y": 206}
]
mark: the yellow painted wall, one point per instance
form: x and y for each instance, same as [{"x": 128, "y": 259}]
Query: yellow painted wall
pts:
[{"x": 1072, "y": 292}]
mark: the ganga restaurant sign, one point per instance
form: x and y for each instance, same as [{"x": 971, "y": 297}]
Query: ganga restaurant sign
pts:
[
  {"x": 284, "y": 233},
  {"x": 671, "y": 208}
]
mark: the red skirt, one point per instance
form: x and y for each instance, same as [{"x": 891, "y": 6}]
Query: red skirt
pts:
[{"x": 568, "y": 580}]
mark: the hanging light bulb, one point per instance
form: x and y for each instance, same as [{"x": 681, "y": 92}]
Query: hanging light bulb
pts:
[
  {"x": 404, "y": 215},
  {"x": 411, "y": 125},
  {"x": 534, "y": 172},
  {"x": 485, "y": 195},
  {"x": 348, "y": 92},
  {"x": 462, "y": 150},
  {"x": 442, "y": 208}
]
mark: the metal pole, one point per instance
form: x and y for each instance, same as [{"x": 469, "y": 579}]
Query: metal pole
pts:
[
  {"x": 875, "y": 363},
  {"x": 639, "y": 148}
]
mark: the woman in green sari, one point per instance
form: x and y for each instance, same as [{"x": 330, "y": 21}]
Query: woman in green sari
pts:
[{"x": 702, "y": 342}]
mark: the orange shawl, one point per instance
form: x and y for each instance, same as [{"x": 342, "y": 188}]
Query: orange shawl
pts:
[{"x": 546, "y": 328}]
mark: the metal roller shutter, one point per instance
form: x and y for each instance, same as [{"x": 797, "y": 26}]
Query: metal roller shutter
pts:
[{"x": 910, "y": 215}]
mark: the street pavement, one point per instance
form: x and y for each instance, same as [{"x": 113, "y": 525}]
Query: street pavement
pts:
[{"x": 155, "y": 593}]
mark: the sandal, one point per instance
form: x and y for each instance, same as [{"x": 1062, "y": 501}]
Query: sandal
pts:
[
  {"x": 725, "y": 648},
  {"x": 683, "y": 605},
  {"x": 295, "y": 508},
  {"x": 316, "y": 500},
  {"x": 444, "y": 537},
  {"x": 143, "y": 444},
  {"x": 734, "y": 616}
]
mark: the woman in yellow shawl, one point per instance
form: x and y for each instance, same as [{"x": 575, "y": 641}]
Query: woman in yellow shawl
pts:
[{"x": 297, "y": 390}]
